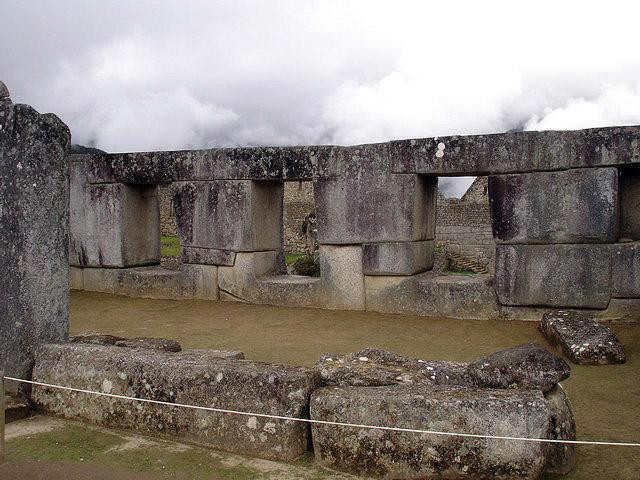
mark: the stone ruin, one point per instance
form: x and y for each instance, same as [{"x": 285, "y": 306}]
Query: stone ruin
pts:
[
  {"x": 563, "y": 207},
  {"x": 565, "y": 218}
]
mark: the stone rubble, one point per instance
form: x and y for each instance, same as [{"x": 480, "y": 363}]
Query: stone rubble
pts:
[{"x": 582, "y": 339}]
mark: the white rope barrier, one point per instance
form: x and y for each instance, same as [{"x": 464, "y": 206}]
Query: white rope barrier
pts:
[{"x": 326, "y": 422}]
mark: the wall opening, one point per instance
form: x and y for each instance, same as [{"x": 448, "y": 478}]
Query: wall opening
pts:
[
  {"x": 464, "y": 238},
  {"x": 170, "y": 248},
  {"x": 300, "y": 229}
]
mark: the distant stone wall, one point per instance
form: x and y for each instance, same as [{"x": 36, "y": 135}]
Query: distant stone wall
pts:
[
  {"x": 167, "y": 216},
  {"x": 298, "y": 203},
  {"x": 463, "y": 230}
]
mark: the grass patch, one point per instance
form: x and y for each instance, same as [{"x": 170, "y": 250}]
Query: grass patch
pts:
[
  {"x": 170, "y": 246},
  {"x": 459, "y": 272},
  {"x": 291, "y": 257}
]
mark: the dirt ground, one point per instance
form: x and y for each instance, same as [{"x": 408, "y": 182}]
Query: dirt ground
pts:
[{"x": 605, "y": 399}]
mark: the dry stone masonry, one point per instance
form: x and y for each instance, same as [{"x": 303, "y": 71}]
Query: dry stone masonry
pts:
[{"x": 563, "y": 207}]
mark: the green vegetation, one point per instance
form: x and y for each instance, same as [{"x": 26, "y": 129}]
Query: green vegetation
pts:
[
  {"x": 291, "y": 257},
  {"x": 307, "y": 265},
  {"x": 170, "y": 246},
  {"x": 77, "y": 443}
]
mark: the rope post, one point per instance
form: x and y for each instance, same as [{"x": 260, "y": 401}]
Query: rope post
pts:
[{"x": 1, "y": 417}]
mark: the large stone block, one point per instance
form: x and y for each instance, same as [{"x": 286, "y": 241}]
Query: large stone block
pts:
[
  {"x": 191, "y": 281},
  {"x": 237, "y": 215},
  {"x": 625, "y": 270},
  {"x": 397, "y": 258},
  {"x": 570, "y": 206},
  {"x": 34, "y": 216},
  {"x": 112, "y": 224},
  {"x": 342, "y": 278},
  {"x": 238, "y": 282},
  {"x": 192, "y": 378},
  {"x": 517, "y": 152},
  {"x": 388, "y": 454},
  {"x": 368, "y": 204},
  {"x": 553, "y": 275},
  {"x": 430, "y": 294},
  {"x": 630, "y": 203}
]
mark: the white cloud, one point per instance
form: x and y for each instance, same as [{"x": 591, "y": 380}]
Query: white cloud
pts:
[{"x": 617, "y": 105}]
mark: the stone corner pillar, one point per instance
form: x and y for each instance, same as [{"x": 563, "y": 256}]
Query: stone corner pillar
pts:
[{"x": 34, "y": 216}]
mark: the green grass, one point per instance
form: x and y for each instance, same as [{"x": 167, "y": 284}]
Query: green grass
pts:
[
  {"x": 77, "y": 443},
  {"x": 290, "y": 258},
  {"x": 170, "y": 246}
]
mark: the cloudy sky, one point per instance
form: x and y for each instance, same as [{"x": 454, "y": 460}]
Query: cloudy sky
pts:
[{"x": 131, "y": 75}]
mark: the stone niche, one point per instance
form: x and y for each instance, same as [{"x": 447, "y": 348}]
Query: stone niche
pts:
[
  {"x": 113, "y": 225},
  {"x": 630, "y": 203}
]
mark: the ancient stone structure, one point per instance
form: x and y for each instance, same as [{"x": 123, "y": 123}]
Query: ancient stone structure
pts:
[
  {"x": 517, "y": 394},
  {"x": 34, "y": 205},
  {"x": 562, "y": 204}
]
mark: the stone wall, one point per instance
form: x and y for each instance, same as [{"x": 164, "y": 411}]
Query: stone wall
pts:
[
  {"x": 34, "y": 218},
  {"x": 556, "y": 203},
  {"x": 168, "y": 224}
]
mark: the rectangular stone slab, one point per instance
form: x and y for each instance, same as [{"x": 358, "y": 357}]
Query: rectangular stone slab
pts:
[
  {"x": 625, "y": 270},
  {"x": 517, "y": 152},
  {"x": 34, "y": 213},
  {"x": 402, "y": 455},
  {"x": 236, "y": 215},
  {"x": 554, "y": 275},
  {"x": 583, "y": 340},
  {"x": 193, "y": 378},
  {"x": 397, "y": 258},
  {"x": 569, "y": 206},
  {"x": 375, "y": 208},
  {"x": 111, "y": 225}
]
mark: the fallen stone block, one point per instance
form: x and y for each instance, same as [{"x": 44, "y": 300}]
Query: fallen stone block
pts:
[
  {"x": 583, "y": 340},
  {"x": 95, "y": 338},
  {"x": 561, "y": 457},
  {"x": 527, "y": 366},
  {"x": 373, "y": 367},
  {"x": 150, "y": 343},
  {"x": 403, "y": 455},
  {"x": 191, "y": 378}
]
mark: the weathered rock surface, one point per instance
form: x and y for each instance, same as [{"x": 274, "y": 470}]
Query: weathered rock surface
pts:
[
  {"x": 373, "y": 367},
  {"x": 630, "y": 203},
  {"x": 34, "y": 209},
  {"x": 397, "y": 258},
  {"x": 527, "y": 366},
  {"x": 188, "y": 378},
  {"x": 563, "y": 276},
  {"x": 150, "y": 343},
  {"x": 625, "y": 270},
  {"x": 241, "y": 215},
  {"x": 113, "y": 224},
  {"x": 571, "y": 206},
  {"x": 404, "y": 455},
  {"x": 517, "y": 152},
  {"x": 561, "y": 457},
  {"x": 95, "y": 338},
  {"x": 582, "y": 339}
]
